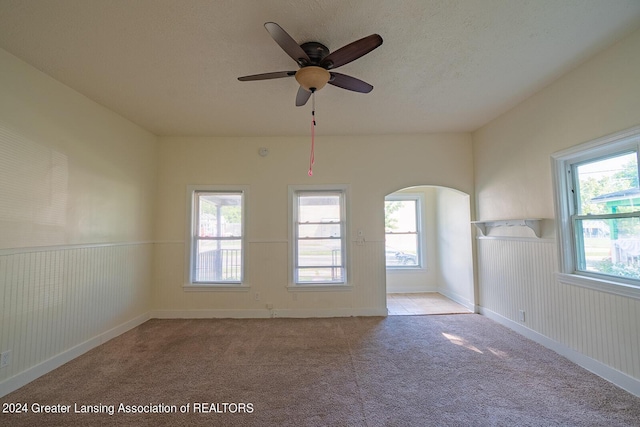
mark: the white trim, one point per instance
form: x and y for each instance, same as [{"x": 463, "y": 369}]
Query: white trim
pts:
[
  {"x": 532, "y": 223},
  {"x": 189, "y": 223},
  {"x": 458, "y": 298},
  {"x": 561, "y": 163},
  {"x": 345, "y": 189},
  {"x": 261, "y": 313},
  {"x": 328, "y": 287},
  {"x": 602, "y": 285},
  {"x": 420, "y": 230},
  {"x": 214, "y": 287},
  {"x": 25, "y": 377},
  {"x": 517, "y": 239},
  {"x": 266, "y": 313},
  {"x": 329, "y": 312},
  {"x": 600, "y": 146},
  {"x": 34, "y": 249},
  {"x": 400, "y": 289},
  {"x": 620, "y": 379}
]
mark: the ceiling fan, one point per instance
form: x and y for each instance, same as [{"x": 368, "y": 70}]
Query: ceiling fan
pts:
[{"x": 317, "y": 63}]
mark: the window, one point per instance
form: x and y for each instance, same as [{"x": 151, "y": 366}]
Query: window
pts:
[
  {"x": 216, "y": 249},
  {"x": 598, "y": 203},
  {"x": 319, "y": 243},
  {"x": 403, "y": 231}
]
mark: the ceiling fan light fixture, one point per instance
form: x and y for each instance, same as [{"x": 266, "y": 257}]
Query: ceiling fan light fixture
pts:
[{"x": 312, "y": 78}]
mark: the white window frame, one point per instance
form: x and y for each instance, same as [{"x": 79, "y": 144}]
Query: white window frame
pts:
[
  {"x": 293, "y": 231},
  {"x": 419, "y": 199},
  {"x": 562, "y": 168},
  {"x": 190, "y": 238}
]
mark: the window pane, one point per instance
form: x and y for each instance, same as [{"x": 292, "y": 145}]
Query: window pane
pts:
[
  {"x": 319, "y": 252},
  {"x": 401, "y": 249},
  {"x": 400, "y": 216},
  {"x": 610, "y": 246},
  {"x": 218, "y": 261},
  {"x": 321, "y": 275},
  {"x": 319, "y": 255},
  {"x": 608, "y": 185},
  {"x": 319, "y": 207},
  {"x": 227, "y": 207},
  {"x": 401, "y": 226},
  {"x": 319, "y": 230}
]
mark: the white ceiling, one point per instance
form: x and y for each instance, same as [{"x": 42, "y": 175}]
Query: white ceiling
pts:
[{"x": 171, "y": 66}]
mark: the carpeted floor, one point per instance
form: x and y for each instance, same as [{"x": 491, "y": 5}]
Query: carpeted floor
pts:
[{"x": 449, "y": 370}]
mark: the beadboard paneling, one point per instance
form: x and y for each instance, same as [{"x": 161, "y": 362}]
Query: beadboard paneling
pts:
[
  {"x": 55, "y": 299},
  {"x": 369, "y": 274},
  {"x": 520, "y": 275}
]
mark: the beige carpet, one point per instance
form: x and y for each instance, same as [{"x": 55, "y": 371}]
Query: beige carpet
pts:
[{"x": 450, "y": 370}]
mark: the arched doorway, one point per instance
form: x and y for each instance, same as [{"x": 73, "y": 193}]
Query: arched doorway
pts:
[{"x": 428, "y": 251}]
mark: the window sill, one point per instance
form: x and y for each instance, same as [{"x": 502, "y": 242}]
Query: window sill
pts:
[
  {"x": 318, "y": 287},
  {"x": 405, "y": 269},
  {"x": 602, "y": 285},
  {"x": 214, "y": 287}
]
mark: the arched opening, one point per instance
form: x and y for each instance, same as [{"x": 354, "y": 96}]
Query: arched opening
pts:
[{"x": 428, "y": 251}]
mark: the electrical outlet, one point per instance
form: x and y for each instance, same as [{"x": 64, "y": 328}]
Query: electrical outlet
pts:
[
  {"x": 522, "y": 316},
  {"x": 256, "y": 296},
  {"x": 5, "y": 358},
  {"x": 274, "y": 313}
]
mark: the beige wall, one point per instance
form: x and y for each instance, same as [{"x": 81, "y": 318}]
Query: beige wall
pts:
[
  {"x": 513, "y": 180},
  {"x": 77, "y": 186},
  {"x": 512, "y": 153},
  {"x": 454, "y": 246},
  {"x": 373, "y": 167}
]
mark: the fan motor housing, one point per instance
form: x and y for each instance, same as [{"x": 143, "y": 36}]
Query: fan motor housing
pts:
[{"x": 315, "y": 51}]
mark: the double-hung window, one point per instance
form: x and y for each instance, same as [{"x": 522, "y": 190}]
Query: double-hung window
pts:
[
  {"x": 598, "y": 204},
  {"x": 216, "y": 236},
  {"x": 403, "y": 234},
  {"x": 319, "y": 231}
]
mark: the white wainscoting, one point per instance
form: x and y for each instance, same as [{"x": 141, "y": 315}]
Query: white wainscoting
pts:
[
  {"x": 519, "y": 274},
  {"x": 59, "y": 302}
]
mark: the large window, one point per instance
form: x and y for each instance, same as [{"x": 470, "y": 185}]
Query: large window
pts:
[
  {"x": 319, "y": 236},
  {"x": 216, "y": 250},
  {"x": 402, "y": 231},
  {"x": 599, "y": 208}
]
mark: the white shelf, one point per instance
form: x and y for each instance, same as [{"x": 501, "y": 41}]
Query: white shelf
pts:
[{"x": 533, "y": 224}]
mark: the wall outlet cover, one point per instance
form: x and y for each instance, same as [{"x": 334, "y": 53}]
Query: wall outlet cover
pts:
[{"x": 5, "y": 358}]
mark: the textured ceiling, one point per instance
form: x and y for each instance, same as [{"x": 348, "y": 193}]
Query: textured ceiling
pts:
[{"x": 171, "y": 66}]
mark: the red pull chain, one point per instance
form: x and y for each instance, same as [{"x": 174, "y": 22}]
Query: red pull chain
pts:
[{"x": 313, "y": 133}]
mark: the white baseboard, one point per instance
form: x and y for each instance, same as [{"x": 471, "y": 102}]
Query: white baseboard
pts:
[
  {"x": 211, "y": 314},
  {"x": 25, "y": 377},
  {"x": 408, "y": 290},
  {"x": 265, "y": 313},
  {"x": 330, "y": 312},
  {"x": 622, "y": 380},
  {"x": 459, "y": 299}
]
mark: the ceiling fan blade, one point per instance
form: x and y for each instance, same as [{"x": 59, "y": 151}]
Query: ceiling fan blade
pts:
[
  {"x": 351, "y": 52},
  {"x": 267, "y": 76},
  {"x": 287, "y": 43},
  {"x": 349, "y": 83},
  {"x": 302, "y": 97}
]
